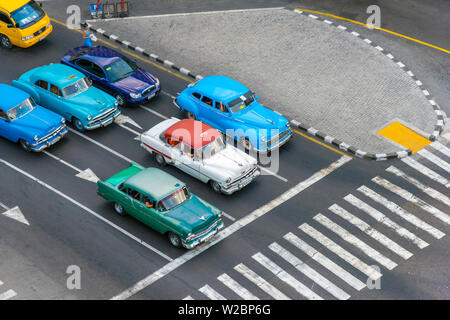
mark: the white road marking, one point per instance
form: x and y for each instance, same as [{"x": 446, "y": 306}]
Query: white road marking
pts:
[
  {"x": 334, "y": 290},
  {"x": 15, "y": 214},
  {"x": 350, "y": 238},
  {"x": 87, "y": 174},
  {"x": 286, "y": 277},
  {"x": 154, "y": 112},
  {"x": 324, "y": 261},
  {"x": 228, "y": 216},
  {"x": 122, "y": 119},
  {"x": 341, "y": 252},
  {"x": 273, "y": 174},
  {"x": 367, "y": 229},
  {"x": 168, "y": 94},
  {"x": 435, "y": 159},
  {"x": 8, "y": 295},
  {"x": 211, "y": 293},
  {"x": 260, "y": 282},
  {"x": 123, "y": 231},
  {"x": 236, "y": 226},
  {"x": 402, "y": 213},
  {"x": 441, "y": 148},
  {"x": 236, "y": 287},
  {"x": 137, "y": 134},
  {"x": 380, "y": 217},
  {"x": 428, "y": 190},
  {"x": 188, "y": 298},
  {"x": 413, "y": 199},
  {"x": 6, "y": 208},
  {"x": 426, "y": 171}
]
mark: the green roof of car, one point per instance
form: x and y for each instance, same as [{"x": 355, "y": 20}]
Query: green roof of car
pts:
[{"x": 153, "y": 182}]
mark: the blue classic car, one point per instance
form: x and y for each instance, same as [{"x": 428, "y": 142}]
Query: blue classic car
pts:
[
  {"x": 114, "y": 73},
  {"x": 230, "y": 107},
  {"x": 69, "y": 93},
  {"x": 23, "y": 121}
]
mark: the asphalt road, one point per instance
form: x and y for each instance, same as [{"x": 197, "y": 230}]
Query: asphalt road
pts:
[{"x": 62, "y": 233}]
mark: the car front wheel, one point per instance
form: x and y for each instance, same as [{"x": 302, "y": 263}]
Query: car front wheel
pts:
[
  {"x": 174, "y": 239},
  {"x": 25, "y": 145},
  {"x": 119, "y": 209},
  {"x": 78, "y": 124},
  {"x": 215, "y": 186},
  {"x": 5, "y": 42},
  {"x": 190, "y": 115}
]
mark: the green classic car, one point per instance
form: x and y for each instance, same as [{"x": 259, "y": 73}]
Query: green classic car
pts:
[{"x": 163, "y": 203}]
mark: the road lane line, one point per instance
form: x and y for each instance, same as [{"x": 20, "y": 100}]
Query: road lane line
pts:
[
  {"x": 350, "y": 238},
  {"x": 286, "y": 277},
  {"x": 371, "y": 232},
  {"x": 123, "y": 231},
  {"x": 211, "y": 293},
  {"x": 273, "y": 174},
  {"x": 426, "y": 171},
  {"x": 62, "y": 161},
  {"x": 413, "y": 199},
  {"x": 428, "y": 190},
  {"x": 441, "y": 148},
  {"x": 188, "y": 298},
  {"x": 236, "y": 226},
  {"x": 6, "y": 208},
  {"x": 236, "y": 287},
  {"x": 260, "y": 282},
  {"x": 154, "y": 112},
  {"x": 8, "y": 295},
  {"x": 341, "y": 252},
  {"x": 435, "y": 159},
  {"x": 334, "y": 290},
  {"x": 324, "y": 261},
  {"x": 380, "y": 217}
]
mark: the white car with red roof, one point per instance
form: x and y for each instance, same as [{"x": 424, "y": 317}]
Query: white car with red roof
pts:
[{"x": 199, "y": 150}]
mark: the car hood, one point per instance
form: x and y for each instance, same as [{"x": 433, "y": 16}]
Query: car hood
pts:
[
  {"x": 194, "y": 214},
  {"x": 228, "y": 163},
  {"x": 39, "y": 121},
  {"x": 93, "y": 101},
  {"x": 258, "y": 116},
  {"x": 137, "y": 82}
]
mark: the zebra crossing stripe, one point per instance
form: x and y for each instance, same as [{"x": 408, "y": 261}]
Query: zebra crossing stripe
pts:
[
  {"x": 260, "y": 282},
  {"x": 188, "y": 298},
  {"x": 211, "y": 293},
  {"x": 341, "y": 252},
  {"x": 413, "y": 199},
  {"x": 441, "y": 148},
  {"x": 378, "y": 216},
  {"x": 236, "y": 287},
  {"x": 367, "y": 229},
  {"x": 350, "y": 238},
  {"x": 8, "y": 295},
  {"x": 324, "y": 261},
  {"x": 286, "y": 277},
  {"x": 309, "y": 272},
  {"x": 426, "y": 171},
  {"x": 402, "y": 213},
  {"x": 435, "y": 159},
  {"x": 428, "y": 190}
]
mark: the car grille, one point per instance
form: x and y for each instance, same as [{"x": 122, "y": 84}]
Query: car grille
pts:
[
  {"x": 278, "y": 138},
  {"x": 205, "y": 231},
  {"x": 39, "y": 31},
  {"x": 243, "y": 177},
  {"x": 52, "y": 134},
  {"x": 105, "y": 115},
  {"x": 148, "y": 90}
]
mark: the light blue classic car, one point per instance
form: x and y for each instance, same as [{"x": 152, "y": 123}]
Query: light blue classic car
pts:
[
  {"x": 233, "y": 109},
  {"x": 69, "y": 93},
  {"x": 23, "y": 121}
]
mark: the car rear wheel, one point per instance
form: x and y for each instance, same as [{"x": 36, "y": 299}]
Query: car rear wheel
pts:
[
  {"x": 78, "y": 124},
  {"x": 246, "y": 143},
  {"x": 120, "y": 100},
  {"x": 5, "y": 42},
  {"x": 189, "y": 115},
  {"x": 215, "y": 186},
  {"x": 174, "y": 239},
  {"x": 160, "y": 159},
  {"x": 24, "y": 145},
  {"x": 119, "y": 209}
]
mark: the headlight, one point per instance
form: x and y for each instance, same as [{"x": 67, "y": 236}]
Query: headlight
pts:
[
  {"x": 220, "y": 214},
  {"x": 27, "y": 38},
  {"x": 135, "y": 96},
  {"x": 116, "y": 103},
  {"x": 36, "y": 138},
  {"x": 63, "y": 120},
  {"x": 89, "y": 118},
  {"x": 49, "y": 25},
  {"x": 288, "y": 125},
  {"x": 228, "y": 180},
  {"x": 157, "y": 83}
]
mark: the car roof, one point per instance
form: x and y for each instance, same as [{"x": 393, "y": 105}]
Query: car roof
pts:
[
  {"x": 11, "y": 5},
  {"x": 153, "y": 182},
  {"x": 11, "y": 96},
  {"x": 192, "y": 132},
  {"x": 101, "y": 55},
  {"x": 57, "y": 74},
  {"x": 220, "y": 88}
]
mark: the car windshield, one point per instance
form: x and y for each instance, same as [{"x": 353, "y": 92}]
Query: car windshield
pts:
[
  {"x": 212, "y": 148},
  {"x": 77, "y": 87},
  {"x": 242, "y": 102},
  {"x": 28, "y": 14},
  {"x": 174, "y": 199},
  {"x": 120, "y": 69},
  {"x": 22, "y": 109}
]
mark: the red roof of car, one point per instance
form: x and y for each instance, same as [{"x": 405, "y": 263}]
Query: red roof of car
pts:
[{"x": 192, "y": 132}]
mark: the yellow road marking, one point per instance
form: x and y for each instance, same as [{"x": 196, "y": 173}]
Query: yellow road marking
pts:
[
  {"x": 322, "y": 144},
  {"x": 381, "y": 29},
  {"x": 404, "y": 136}
]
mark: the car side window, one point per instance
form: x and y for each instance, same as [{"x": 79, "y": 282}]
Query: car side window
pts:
[
  {"x": 187, "y": 150},
  {"x": 42, "y": 84},
  {"x": 147, "y": 201},
  {"x": 173, "y": 143},
  {"x": 221, "y": 107},
  {"x": 84, "y": 64},
  {"x": 207, "y": 100},
  {"x": 4, "y": 18},
  {"x": 96, "y": 70},
  {"x": 134, "y": 194},
  {"x": 55, "y": 90},
  {"x": 3, "y": 115},
  {"x": 196, "y": 95}
]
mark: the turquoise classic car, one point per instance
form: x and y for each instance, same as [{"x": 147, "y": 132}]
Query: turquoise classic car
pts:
[
  {"x": 69, "y": 93},
  {"x": 163, "y": 203}
]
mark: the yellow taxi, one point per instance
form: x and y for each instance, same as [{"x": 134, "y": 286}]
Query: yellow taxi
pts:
[{"x": 23, "y": 23}]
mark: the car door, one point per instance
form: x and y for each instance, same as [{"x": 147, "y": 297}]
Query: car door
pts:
[
  {"x": 189, "y": 164},
  {"x": 148, "y": 216},
  {"x": 223, "y": 116},
  {"x": 56, "y": 101},
  {"x": 94, "y": 72},
  {"x": 5, "y": 126},
  {"x": 11, "y": 33},
  {"x": 124, "y": 198},
  {"x": 207, "y": 111},
  {"x": 41, "y": 87}
]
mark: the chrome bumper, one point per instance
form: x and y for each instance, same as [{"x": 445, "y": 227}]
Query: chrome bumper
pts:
[
  {"x": 50, "y": 142},
  {"x": 105, "y": 122},
  {"x": 241, "y": 184},
  {"x": 204, "y": 238}
]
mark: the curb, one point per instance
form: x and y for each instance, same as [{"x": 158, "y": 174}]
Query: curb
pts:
[{"x": 155, "y": 57}]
